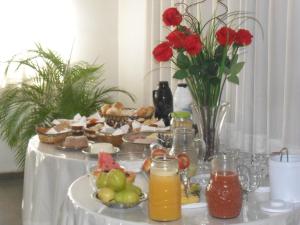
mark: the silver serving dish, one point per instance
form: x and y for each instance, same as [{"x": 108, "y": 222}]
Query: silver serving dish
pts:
[{"x": 116, "y": 205}]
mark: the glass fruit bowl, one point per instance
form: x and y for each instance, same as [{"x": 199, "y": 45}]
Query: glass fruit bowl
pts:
[{"x": 117, "y": 205}]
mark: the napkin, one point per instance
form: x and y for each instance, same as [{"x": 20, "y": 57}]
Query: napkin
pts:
[
  {"x": 51, "y": 131},
  {"x": 146, "y": 128},
  {"x": 107, "y": 129},
  {"x": 160, "y": 123},
  {"x": 79, "y": 120},
  {"x": 136, "y": 125},
  {"x": 122, "y": 130},
  {"x": 97, "y": 117}
]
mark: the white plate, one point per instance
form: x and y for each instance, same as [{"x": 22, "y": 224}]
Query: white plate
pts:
[
  {"x": 276, "y": 206},
  {"x": 200, "y": 204},
  {"x": 60, "y": 146},
  {"x": 87, "y": 152}
]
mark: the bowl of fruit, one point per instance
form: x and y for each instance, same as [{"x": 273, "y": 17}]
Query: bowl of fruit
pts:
[{"x": 115, "y": 186}]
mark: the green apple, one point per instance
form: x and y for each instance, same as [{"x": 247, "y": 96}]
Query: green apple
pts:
[
  {"x": 116, "y": 180},
  {"x": 136, "y": 189},
  {"x": 127, "y": 197},
  {"x": 106, "y": 194},
  {"x": 101, "y": 180}
]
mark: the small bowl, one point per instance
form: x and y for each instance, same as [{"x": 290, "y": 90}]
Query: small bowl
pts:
[
  {"x": 109, "y": 138},
  {"x": 131, "y": 161},
  {"x": 51, "y": 138}
]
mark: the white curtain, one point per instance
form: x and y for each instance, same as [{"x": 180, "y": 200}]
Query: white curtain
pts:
[{"x": 264, "y": 114}]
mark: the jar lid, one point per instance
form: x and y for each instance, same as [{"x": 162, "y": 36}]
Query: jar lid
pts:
[
  {"x": 181, "y": 114},
  {"x": 182, "y": 85}
]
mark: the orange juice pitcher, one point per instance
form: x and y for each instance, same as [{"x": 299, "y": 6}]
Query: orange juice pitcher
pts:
[{"x": 164, "y": 190}]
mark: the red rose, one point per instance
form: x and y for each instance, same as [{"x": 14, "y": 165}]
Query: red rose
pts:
[
  {"x": 243, "y": 37},
  {"x": 162, "y": 52},
  {"x": 192, "y": 44},
  {"x": 172, "y": 17},
  {"x": 225, "y": 36},
  {"x": 176, "y": 39}
]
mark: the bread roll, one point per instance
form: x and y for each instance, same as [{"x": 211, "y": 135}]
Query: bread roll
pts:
[
  {"x": 113, "y": 111},
  {"x": 150, "y": 111},
  {"x": 104, "y": 108},
  {"x": 118, "y": 105},
  {"x": 141, "y": 112}
]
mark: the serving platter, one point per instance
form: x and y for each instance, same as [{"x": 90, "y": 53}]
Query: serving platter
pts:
[
  {"x": 144, "y": 138},
  {"x": 61, "y": 147}
]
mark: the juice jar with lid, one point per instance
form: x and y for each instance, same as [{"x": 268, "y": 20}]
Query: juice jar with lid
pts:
[
  {"x": 181, "y": 119},
  {"x": 164, "y": 190},
  {"x": 224, "y": 192}
]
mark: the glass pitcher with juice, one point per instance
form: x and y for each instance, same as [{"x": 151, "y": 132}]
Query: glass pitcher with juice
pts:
[
  {"x": 164, "y": 190},
  {"x": 224, "y": 192}
]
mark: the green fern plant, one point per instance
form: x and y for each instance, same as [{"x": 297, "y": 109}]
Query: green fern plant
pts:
[{"x": 57, "y": 90}]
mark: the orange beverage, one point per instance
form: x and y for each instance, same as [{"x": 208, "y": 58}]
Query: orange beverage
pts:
[{"x": 164, "y": 191}]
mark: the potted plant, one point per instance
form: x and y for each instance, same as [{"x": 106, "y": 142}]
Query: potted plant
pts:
[{"x": 58, "y": 89}]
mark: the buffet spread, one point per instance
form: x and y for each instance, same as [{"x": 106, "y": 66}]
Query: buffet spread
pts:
[{"x": 174, "y": 173}]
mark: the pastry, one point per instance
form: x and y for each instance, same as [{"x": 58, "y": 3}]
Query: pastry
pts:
[
  {"x": 104, "y": 108},
  {"x": 118, "y": 105},
  {"x": 76, "y": 142},
  {"x": 113, "y": 111},
  {"x": 141, "y": 112},
  {"x": 150, "y": 111}
]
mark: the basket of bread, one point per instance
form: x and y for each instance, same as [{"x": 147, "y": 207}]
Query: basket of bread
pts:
[
  {"x": 119, "y": 113},
  {"x": 53, "y": 135}
]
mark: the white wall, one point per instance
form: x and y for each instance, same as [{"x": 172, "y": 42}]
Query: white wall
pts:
[
  {"x": 132, "y": 29},
  {"x": 7, "y": 162},
  {"x": 97, "y": 35}
]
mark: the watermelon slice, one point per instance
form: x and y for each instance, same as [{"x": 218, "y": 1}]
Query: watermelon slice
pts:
[{"x": 106, "y": 162}]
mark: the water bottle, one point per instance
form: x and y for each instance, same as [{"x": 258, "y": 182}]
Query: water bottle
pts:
[{"x": 182, "y": 99}]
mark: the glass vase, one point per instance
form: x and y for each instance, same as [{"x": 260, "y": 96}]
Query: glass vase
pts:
[{"x": 209, "y": 120}]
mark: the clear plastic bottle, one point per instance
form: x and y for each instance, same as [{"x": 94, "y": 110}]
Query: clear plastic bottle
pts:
[
  {"x": 182, "y": 98},
  {"x": 181, "y": 119}
]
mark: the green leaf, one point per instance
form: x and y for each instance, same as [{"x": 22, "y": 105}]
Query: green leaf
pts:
[
  {"x": 226, "y": 70},
  {"x": 235, "y": 59},
  {"x": 195, "y": 69},
  {"x": 236, "y": 68},
  {"x": 180, "y": 74},
  {"x": 233, "y": 79},
  {"x": 183, "y": 61}
]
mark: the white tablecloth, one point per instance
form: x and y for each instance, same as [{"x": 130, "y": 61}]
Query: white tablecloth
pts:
[
  {"x": 80, "y": 208},
  {"x": 48, "y": 174}
]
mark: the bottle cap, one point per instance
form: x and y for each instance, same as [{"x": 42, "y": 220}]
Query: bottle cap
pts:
[
  {"x": 181, "y": 114},
  {"x": 182, "y": 85}
]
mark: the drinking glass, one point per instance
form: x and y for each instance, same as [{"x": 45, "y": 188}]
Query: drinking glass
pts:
[
  {"x": 252, "y": 169},
  {"x": 91, "y": 165}
]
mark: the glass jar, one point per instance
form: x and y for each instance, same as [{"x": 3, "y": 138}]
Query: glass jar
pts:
[
  {"x": 181, "y": 119},
  {"x": 164, "y": 190},
  {"x": 224, "y": 192},
  {"x": 183, "y": 142}
]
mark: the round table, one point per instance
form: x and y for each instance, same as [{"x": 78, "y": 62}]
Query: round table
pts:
[
  {"x": 81, "y": 208},
  {"x": 47, "y": 176}
]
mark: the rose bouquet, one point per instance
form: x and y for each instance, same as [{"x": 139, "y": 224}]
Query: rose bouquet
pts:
[{"x": 206, "y": 56}]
